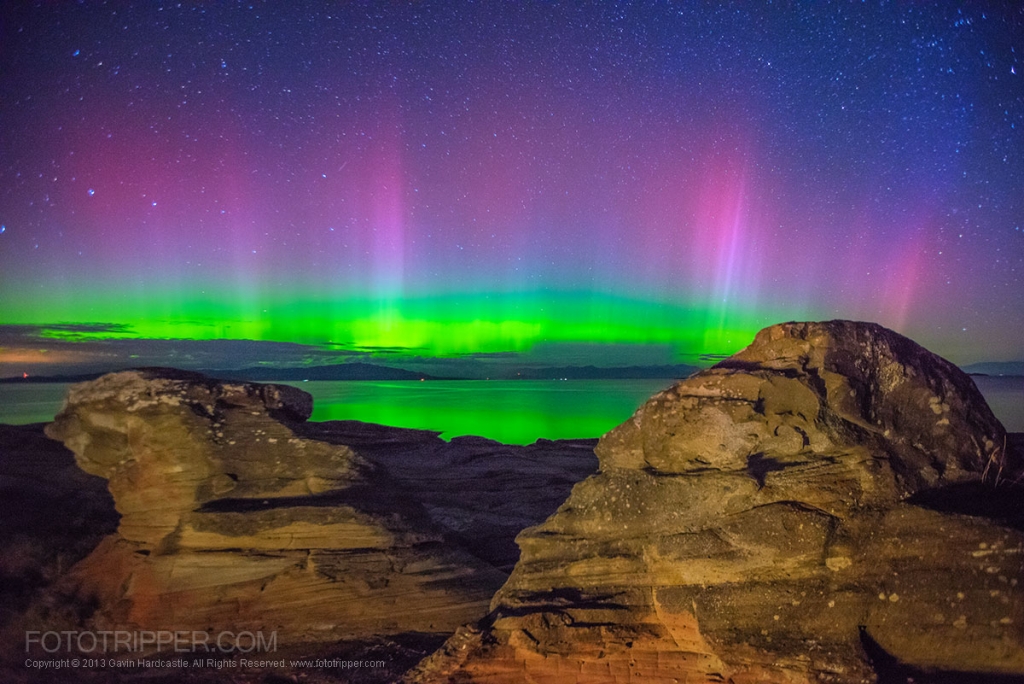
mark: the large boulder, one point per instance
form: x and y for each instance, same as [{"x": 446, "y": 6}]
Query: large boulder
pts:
[
  {"x": 231, "y": 520},
  {"x": 802, "y": 512}
]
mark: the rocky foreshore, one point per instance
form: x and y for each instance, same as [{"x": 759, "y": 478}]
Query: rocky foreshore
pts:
[
  {"x": 832, "y": 504},
  {"x": 804, "y": 511},
  {"x": 233, "y": 514}
]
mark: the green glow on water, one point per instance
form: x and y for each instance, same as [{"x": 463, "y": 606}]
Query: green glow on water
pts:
[{"x": 511, "y": 411}]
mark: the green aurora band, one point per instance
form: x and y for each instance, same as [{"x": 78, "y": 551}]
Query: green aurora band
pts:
[{"x": 440, "y": 326}]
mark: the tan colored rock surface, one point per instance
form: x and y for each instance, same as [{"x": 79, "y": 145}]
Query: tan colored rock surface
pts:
[
  {"x": 232, "y": 521},
  {"x": 805, "y": 511}
]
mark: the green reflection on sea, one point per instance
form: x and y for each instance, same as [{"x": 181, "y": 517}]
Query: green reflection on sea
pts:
[{"x": 509, "y": 411}]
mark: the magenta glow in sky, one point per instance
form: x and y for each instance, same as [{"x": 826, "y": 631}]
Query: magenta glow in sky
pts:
[{"x": 751, "y": 162}]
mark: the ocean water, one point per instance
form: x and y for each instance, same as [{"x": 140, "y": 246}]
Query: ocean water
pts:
[
  {"x": 1005, "y": 396},
  {"x": 514, "y": 411},
  {"x": 32, "y": 403},
  {"x": 510, "y": 411}
]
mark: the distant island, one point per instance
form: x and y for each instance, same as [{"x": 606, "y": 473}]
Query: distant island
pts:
[
  {"x": 342, "y": 371},
  {"x": 598, "y": 373},
  {"x": 339, "y": 371}
]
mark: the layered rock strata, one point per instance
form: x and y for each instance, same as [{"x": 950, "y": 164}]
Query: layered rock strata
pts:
[
  {"x": 805, "y": 511},
  {"x": 230, "y": 520}
]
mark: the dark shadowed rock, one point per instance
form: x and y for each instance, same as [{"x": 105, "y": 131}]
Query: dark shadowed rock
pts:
[
  {"x": 805, "y": 511},
  {"x": 483, "y": 493},
  {"x": 54, "y": 514}
]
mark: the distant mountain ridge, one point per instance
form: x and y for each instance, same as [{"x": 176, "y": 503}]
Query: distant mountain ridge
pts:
[
  {"x": 995, "y": 368},
  {"x": 369, "y": 371},
  {"x": 614, "y": 373},
  {"x": 33, "y": 379},
  {"x": 341, "y": 371}
]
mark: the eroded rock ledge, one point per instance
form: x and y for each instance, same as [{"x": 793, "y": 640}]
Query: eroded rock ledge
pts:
[
  {"x": 759, "y": 522},
  {"x": 232, "y": 520}
]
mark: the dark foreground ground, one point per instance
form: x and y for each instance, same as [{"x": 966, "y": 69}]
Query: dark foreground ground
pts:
[{"x": 52, "y": 515}]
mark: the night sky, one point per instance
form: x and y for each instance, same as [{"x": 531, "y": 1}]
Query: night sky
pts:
[{"x": 610, "y": 182}]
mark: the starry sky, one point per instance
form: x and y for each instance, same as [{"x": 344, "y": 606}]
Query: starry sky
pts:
[{"x": 612, "y": 182}]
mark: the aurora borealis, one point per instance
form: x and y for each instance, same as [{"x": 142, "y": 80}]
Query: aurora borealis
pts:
[{"x": 439, "y": 179}]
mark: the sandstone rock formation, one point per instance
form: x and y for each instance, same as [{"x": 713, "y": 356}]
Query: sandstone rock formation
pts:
[
  {"x": 805, "y": 511},
  {"x": 232, "y": 521}
]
